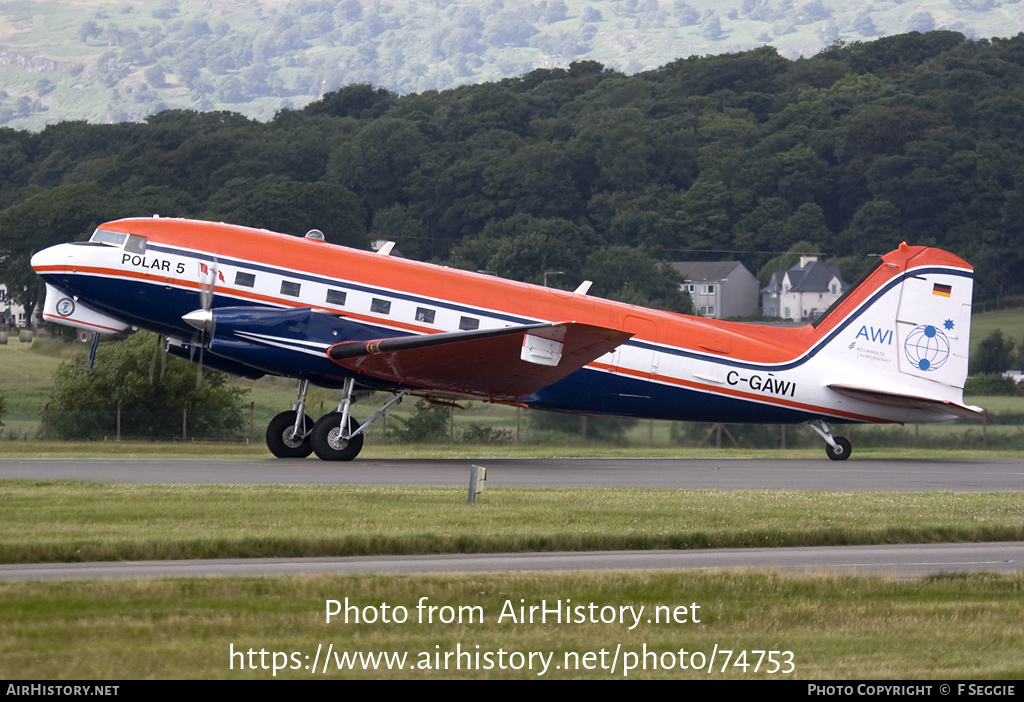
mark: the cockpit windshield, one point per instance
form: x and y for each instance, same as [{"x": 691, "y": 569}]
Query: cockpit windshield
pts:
[
  {"x": 131, "y": 242},
  {"x": 105, "y": 237}
]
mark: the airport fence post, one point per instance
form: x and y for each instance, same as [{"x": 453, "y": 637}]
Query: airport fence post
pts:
[
  {"x": 184, "y": 423},
  {"x": 117, "y": 433}
]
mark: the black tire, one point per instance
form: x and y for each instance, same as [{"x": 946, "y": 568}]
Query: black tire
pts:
[
  {"x": 281, "y": 439},
  {"x": 327, "y": 442},
  {"x": 842, "y": 450}
]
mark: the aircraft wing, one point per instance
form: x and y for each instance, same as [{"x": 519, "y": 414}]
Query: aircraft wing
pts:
[
  {"x": 498, "y": 364},
  {"x": 891, "y": 399}
]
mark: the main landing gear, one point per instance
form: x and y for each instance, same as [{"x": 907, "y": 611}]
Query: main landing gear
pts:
[
  {"x": 334, "y": 437},
  {"x": 838, "y": 448}
]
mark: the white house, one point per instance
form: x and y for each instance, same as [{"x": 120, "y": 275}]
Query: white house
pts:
[
  {"x": 804, "y": 291},
  {"x": 11, "y": 316}
]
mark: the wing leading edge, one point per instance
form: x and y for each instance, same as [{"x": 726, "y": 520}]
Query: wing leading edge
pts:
[{"x": 502, "y": 365}]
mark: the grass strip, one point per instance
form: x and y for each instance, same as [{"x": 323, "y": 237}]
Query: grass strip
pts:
[
  {"x": 51, "y": 521},
  {"x": 957, "y": 627}
]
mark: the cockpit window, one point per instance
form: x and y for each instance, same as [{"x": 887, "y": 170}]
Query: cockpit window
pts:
[
  {"x": 105, "y": 237},
  {"x": 131, "y": 242},
  {"x": 136, "y": 244}
]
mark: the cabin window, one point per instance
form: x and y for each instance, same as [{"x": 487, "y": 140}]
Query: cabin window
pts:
[
  {"x": 289, "y": 287},
  {"x": 425, "y": 314},
  {"x": 380, "y": 306},
  {"x": 469, "y": 323},
  {"x": 336, "y": 297},
  {"x": 246, "y": 280}
]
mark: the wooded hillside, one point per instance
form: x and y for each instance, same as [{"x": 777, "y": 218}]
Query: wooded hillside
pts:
[{"x": 916, "y": 137}]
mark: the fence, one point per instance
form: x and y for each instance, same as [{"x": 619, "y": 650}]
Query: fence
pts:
[{"x": 511, "y": 427}]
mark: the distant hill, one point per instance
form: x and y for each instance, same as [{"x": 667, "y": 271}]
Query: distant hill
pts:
[{"x": 111, "y": 62}]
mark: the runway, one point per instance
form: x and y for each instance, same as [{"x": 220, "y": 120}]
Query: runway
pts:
[
  {"x": 981, "y": 475},
  {"x": 894, "y": 560},
  {"x": 916, "y": 475}
]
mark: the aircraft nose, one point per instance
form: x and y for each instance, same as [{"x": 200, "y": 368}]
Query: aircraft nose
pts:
[{"x": 48, "y": 260}]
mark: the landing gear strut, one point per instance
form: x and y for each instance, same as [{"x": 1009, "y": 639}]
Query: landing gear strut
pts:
[
  {"x": 335, "y": 437},
  {"x": 838, "y": 448}
]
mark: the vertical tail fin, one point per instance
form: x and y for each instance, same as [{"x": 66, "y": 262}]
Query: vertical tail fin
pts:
[{"x": 903, "y": 332}]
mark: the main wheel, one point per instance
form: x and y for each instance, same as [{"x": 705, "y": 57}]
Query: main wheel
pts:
[
  {"x": 842, "y": 450},
  {"x": 328, "y": 442},
  {"x": 282, "y": 440}
]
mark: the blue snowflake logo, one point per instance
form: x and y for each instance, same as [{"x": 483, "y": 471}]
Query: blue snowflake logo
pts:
[{"x": 948, "y": 324}]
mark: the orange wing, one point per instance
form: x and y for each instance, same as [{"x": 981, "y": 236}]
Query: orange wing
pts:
[{"x": 502, "y": 365}]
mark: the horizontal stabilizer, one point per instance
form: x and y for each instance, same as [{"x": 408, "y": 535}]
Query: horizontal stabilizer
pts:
[
  {"x": 498, "y": 364},
  {"x": 891, "y": 399}
]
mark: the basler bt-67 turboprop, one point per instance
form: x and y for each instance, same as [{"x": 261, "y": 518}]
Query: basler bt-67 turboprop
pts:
[{"x": 893, "y": 349}]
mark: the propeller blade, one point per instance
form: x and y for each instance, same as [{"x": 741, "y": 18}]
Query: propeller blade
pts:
[
  {"x": 208, "y": 284},
  {"x": 199, "y": 372},
  {"x": 163, "y": 360},
  {"x": 152, "y": 362}
]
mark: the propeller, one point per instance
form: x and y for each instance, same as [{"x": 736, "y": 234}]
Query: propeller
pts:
[
  {"x": 202, "y": 318},
  {"x": 156, "y": 352}
]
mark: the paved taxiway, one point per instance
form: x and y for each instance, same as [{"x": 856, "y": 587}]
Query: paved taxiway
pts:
[
  {"x": 873, "y": 475},
  {"x": 896, "y": 560},
  {"x": 917, "y": 475}
]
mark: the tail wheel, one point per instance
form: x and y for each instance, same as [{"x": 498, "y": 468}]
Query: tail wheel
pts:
[
  {"x": 282, "y": 440},
  {"x": 841, "y": 451},
  {"x": 328, "y": 442}
]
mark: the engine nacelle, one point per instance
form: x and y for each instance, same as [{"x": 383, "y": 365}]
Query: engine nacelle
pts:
[{"x": 61, "y": 308}]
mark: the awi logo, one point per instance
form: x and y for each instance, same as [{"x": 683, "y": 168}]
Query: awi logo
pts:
[{"x": 927, "y": 348}]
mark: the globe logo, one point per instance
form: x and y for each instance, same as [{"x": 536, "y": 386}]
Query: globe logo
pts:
[{"x": 927, "y": 348}]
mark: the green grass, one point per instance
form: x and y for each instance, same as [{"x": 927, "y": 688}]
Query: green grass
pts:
[
  {"x": 80, "y": 521},
  {"x": 946, "y": 628},
  {"x": 1010, "y": 321}
]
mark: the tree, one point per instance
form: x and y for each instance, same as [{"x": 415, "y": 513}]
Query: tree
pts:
[
  {"x": 630, "y": 275},
  {"x": 994, "y": 354},
  {"x": 65, "y": 213},
  {"x": 83, "y": 404},
  {"x": 429, "y": 423},
  {"x": 292, "y": 207}
]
